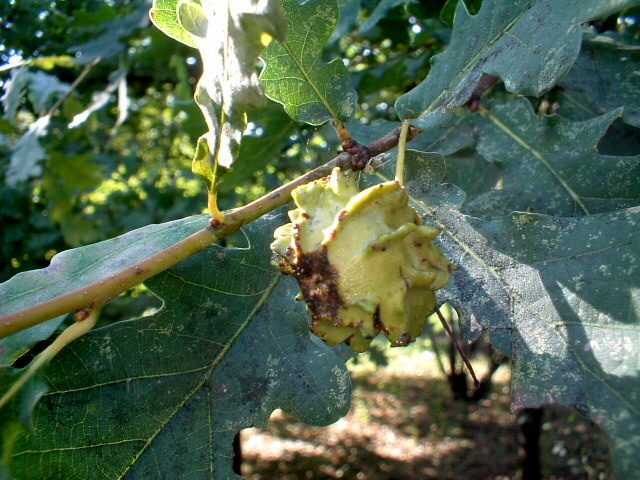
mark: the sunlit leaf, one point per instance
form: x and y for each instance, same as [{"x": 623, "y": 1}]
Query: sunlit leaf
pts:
[
  {"x": 13, "y": 91},
  {"x": 230, "y": 36},
  {"x": 100, "y": 99},
  {"x": 164, "y": 15},
  {"x": 529, "y": 44},
  {"x": 295, "y": 75},
  {"x": 27, "y": 153},
  {"x": 163, "y": 396}
]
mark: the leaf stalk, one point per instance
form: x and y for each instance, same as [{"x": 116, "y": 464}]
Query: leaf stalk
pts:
[
  {"x": 72, "y": 332},
  {"x": 402, "y": 149}
]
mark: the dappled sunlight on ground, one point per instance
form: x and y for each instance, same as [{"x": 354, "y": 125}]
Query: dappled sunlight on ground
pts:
[{"x": 404, "y": 424}]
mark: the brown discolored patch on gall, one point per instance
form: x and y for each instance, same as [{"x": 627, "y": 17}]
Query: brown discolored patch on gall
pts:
[
  {"x": 377, "y": 323},
  {"x": 318, "y": 281},
  {"x": 342, "y": 215}
]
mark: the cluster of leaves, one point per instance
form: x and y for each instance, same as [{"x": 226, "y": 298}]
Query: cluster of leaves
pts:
[{"x": 555, "y": 284}]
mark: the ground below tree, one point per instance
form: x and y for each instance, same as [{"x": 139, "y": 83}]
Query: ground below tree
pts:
[{"x": 405, "y": 425}]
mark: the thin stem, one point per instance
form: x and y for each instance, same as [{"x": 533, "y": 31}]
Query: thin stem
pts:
[
  {"x": 74, "y": 85},
  {"x": 402, "y": 149},
  {"x": 446, "y": 326},
  {"x": 100, "y": 292},
  {"x": 65, "y": 338}
]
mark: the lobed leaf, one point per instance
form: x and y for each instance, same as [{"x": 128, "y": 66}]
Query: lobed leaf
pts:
[
  {"x": 164, "y": 15},
  {"x": 605, "y": 76},
  {"x": 163, "y": 396},
  {"x": 42, "y": 87},
  {"x": 294, "y": 73},
  {"x": 380, "y": 12},
  {"x": 13, "y": 92},
  {"x": 529, "y": 44},
  {"x": 230, "y": 36},
  {"x": 106, "y": 38},
  {"x": 559, "y": 295},
  {"x": 552, "y": 165},
  {"x": 27, "y": 153}
]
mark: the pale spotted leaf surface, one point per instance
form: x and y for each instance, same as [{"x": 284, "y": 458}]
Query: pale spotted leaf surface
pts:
[
  {"x": 529, "y": 44},
  {"x": 559, "y": 295},
  {"x": 551, "y": 165}
]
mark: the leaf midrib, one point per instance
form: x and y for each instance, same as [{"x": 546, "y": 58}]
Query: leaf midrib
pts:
[
  {"x": 541, "y": 158},
  {"x": 433, "y": 105},
  {"x": 309, "y": 79},
  {"x": 214, "y": 363}
]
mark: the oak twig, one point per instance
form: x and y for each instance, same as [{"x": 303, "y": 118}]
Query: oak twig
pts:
[{"x": 97, "y": 294}]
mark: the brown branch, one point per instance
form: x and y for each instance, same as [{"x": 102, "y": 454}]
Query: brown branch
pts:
[
  {"x": 97, "y": 294},
  {"x": 446, "y": 326}
]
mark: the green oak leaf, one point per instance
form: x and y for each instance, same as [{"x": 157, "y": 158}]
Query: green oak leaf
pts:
[
  {"x": 73, "y": 269},
  {"x": 604, "y": 77},
  {"x": 559, "y": 295},
  {"x": 164, "y": 15},
  {"x": 529, "y": 44},
  {"x": 106, "y": 37},
  {"x": 552, "y": 165},
  {"x": 229, "y": 35},
  {"x": 27, "y": 153},
  {"x": 163, "y": 396},
  {"x": 294, "y": 73},
  {"x": 13, "y": 90},
  {"x": 449, "y": 9}
]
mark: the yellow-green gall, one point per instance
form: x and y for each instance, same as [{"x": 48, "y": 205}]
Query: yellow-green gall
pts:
[{"x": 364, "y": 261}]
